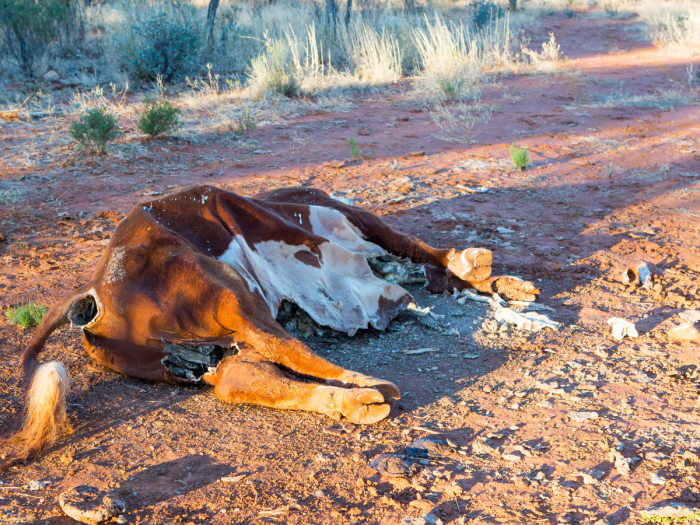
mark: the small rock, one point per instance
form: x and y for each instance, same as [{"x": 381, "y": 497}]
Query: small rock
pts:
[
  {"x": 582, "y": 417},
  {"x": 392, "y": 465},
  {"x": 482, "y": 449},
  {"x": 512, "y": 457},
  {"x": 684, "y": 332},
  {"x": 121, "y": 520},
  {"x": 432, "y": 519},
  {"x": 544, "y": 404},
  {"x": 429, "y": 448},
  {"x": 487, "y": 389},
  {"x": 36, "y": 485},
  {"x": 521, "y": 481},
  {"x": 66, "y": 458},
  {"x": 622, "y": 464},
  {"x": 417, "y": 153},
  {"x": 410, "y": 520},
  {"x": 335, "y": 164},
  {"x": 90, "y": 505},
  {"x": 691, "y": 456},
  {"x": 589, "y": 478},
  {"x": 658, "y": 480},
  {"x": 670, "y": 511},
  {"x": 656, "y": 457}
]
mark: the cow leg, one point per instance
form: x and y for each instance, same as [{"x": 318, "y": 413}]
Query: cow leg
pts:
[
  {"x": 274, "y": 344},
  {"x": 252, "y": 379}
]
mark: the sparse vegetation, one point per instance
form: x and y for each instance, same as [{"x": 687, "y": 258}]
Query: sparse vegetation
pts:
[
  {"x": 159, "y": 118},
  {"x": 450, "y": 61},
  {"x": 692, "y": 518},
  {"x": 355, "y": 153},
  {"x": 95, "y": 129},
  {"x": 520, "y": 157},
  {"x": 26, "y": 315},
  {"x": 273, "y": 72},
  {"x": 460, "y": 122},
  {"x": 11, "y": 199},
  {"x": 244, "y": 125}
]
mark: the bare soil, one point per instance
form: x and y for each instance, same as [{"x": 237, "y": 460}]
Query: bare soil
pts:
[{"x": 570, "y": 223}]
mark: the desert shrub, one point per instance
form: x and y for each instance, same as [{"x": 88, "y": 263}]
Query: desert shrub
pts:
[
  {"x": 94, "y": 130},
  {"x": 26, "y": 315},
  {"x": 484, "y": 12},
  {"x": 450, "y": 60},
  {"x": 376, "y": 56},
  {"x": 29, "y": 27},
  {"x": 246, "y": 124},
  {"x": 519, "y": 156},
  {"x": 159, "y": 118},
  {"x": 355, "y": 153},
  {"x": 163, "y": 46},
  {"x": 273, "y": 71}
]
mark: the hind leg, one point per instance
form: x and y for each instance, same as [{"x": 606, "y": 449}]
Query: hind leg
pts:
[
  {"x": 252, "y": 379},
  {"x": 472, "y": 264}
]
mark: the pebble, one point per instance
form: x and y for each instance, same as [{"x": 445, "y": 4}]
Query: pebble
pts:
[
  {"x": 429, "y": 448},
  {"x": 36, "y": 485},
  {"x": 658, "y": 480},
  {"x": 670, "y": 511},
  {"x": 582, "y": 417},
  {"x": 654, "y": 456},
  {"x": 521, "y": 481}
]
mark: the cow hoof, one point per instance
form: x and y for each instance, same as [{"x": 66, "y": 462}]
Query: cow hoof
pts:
[
  {"x": 515, "y": 289},
  {"x": 366, "y": 415},
  {"x": 388, "y": 389},
  {"x": 362, "y": 406},
  {"x": 470, "y": 264}
]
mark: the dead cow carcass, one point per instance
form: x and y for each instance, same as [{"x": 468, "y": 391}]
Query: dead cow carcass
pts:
[{"x": 190, "y": 285}]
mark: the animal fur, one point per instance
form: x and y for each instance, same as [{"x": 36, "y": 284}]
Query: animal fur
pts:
[{"x": 46, "y": 417}]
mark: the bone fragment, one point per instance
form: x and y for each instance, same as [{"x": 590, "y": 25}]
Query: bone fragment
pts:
[
  {"x": 531, "y": 306},
  {"x": 639, "y": 274},
  {"x": 530, "y": 321},
  {"x": 417, "y": 351},
  {"x": 468, "y": 294},
  {"x": 622, "y": 329}
]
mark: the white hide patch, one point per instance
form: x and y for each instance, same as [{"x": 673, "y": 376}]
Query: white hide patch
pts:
[
  {"x": 342, "y": 293},
  {"x": 334, "y": 226}
]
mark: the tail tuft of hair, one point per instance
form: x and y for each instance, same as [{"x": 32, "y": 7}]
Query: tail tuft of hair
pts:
[{"x": 46, "y": 417}]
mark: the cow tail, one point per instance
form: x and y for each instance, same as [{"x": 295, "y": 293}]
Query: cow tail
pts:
[{"x": 47, "y": 386}]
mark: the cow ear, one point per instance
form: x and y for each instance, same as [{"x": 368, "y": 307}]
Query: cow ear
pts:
[{"x": 452, "y": 254}]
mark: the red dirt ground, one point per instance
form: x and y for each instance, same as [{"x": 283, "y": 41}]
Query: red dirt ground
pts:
[{"x": 573, "y": 229}]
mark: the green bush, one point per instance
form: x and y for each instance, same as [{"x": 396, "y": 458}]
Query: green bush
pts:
[
  {"x": 30, "y": 26},
  {"x": 164, "y": 47},
  {"x": 355, "y": 153},
  {"x": 520, "y": 157},
  {"x": 159, "y": 118},
  {"x": 94, "y": 130},
  {"x": 26, "y": 315}
]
